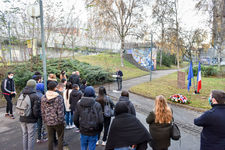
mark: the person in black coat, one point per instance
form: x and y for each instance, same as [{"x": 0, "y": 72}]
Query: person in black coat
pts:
[
  {"x": 75, "y": 78},
  {"x": 104, "y": 100},
  {"x": 9, "y": 91},
  {"x": 28, "y": 123},
  {"x": 125, "y": 98},
  {"x": 127, "y": 130},
  {"x": 159, "y": 122},
  {"x": 119, "y": 79},
  {"x": 75, "y": 96},
  {"x": 213, "y": 123}
]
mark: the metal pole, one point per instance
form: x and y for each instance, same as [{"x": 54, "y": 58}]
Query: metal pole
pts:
[
  {"x": 151, "y": 57},
  {"x": 43, "y": 44},
  {"x": 10, "y": 50}
]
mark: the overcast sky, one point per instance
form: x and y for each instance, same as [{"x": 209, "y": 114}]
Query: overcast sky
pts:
[{"x": 190, "y": 18}]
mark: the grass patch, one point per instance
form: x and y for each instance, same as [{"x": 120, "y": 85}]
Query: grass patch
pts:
[
  {"x": 112, "y": 61},
  {"x": 167, "y": 86}
]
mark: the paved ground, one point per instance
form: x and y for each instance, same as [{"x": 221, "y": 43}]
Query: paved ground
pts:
[{"x": 11, "y": 134}]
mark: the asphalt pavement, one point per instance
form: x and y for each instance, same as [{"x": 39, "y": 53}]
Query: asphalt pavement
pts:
[{"x": 11, "y": 133}]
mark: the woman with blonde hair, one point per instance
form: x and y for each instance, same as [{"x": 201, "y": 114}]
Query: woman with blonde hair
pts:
[{"x": 159, "y": 121}]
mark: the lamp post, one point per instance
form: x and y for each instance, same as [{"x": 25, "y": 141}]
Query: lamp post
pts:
[
  {"x": 10, "y": 50},
  {"x": 43, "y": 44}
]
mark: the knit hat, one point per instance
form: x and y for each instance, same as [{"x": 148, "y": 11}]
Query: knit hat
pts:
[
  {"x": 89, "y": 92},
  {"x": 31, "y": 83}
]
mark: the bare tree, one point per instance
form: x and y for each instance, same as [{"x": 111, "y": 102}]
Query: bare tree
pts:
[
  {"x": 122, "y": 16},
  {"x": 162, "y": 11}
]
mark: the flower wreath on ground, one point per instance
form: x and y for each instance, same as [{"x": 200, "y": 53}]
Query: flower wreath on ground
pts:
[{"x": 178, "y": 98}]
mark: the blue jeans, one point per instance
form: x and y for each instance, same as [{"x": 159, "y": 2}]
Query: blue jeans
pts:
[
  {"x": 88, "y": 142},
  {"x": 69, "y": 118}
]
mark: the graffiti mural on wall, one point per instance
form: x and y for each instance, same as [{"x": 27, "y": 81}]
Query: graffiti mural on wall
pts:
[{"x": 143, "y": 57}]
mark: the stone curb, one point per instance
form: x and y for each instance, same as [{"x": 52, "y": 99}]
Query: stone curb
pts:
[{"x": 174, "y": 104}]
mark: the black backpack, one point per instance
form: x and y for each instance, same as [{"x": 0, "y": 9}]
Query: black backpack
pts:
[{"x": 89, "y": 118}]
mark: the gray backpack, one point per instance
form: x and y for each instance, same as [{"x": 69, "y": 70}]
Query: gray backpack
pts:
[
  {"x": 108, "y": 111},
  {"x": 23, "y": 106}
]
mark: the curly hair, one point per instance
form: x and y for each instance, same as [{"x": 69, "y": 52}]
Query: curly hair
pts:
[{"x": 163, "y": 113}]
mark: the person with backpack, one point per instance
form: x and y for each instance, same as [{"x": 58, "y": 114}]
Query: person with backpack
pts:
[
  {"x": 75, "y": 96},
  {"x": 89, "y": 119},
  {"x": 69, "y": 113},
  {"x": 126, "y": 131},
  {"x": 28, "y": 107},
  {"x": 40, "y": 92},
  {"x": 9, "y": 91},
  {"x": 125, "y": 98},
  {"x": 83, "y": 86},
  {"x": 75, "y": 78},
  {"x": 213, "y": 123},
  {"x": 52, "y": 110},
  {"x": 160, "y": 124},
  {"x": 107, "y": 107}
]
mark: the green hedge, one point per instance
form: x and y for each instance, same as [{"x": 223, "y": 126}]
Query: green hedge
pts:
[
  {"x": 206, "y": 71},
  {"x": 167, "y": 59},
  {"x": 93, "y": 74}
]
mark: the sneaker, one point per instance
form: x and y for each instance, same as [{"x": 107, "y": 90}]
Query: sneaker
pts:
[
  {"x": 45, "y": 140},
  {"x": 12, "y": 117},
  {"x": 6, "y": 115},
  {"x": 72, "y": 126},
  {"x": 77, "y": 130},
  {"x": 67, "y": 127},
  {"x": 39, "y": 141},
  {"x": 98, "y": 142},
  {"x": 103, "y": 143}
]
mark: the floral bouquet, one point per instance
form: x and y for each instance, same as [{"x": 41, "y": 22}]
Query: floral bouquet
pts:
[{"x": 178, "y": 98}]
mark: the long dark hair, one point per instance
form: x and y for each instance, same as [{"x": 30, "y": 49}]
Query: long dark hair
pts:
[
  {"x": 68, "y": 87},
  {"x": 101, "y": 93}
]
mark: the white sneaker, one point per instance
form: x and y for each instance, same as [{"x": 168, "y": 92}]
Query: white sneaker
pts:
[
  {"x": 67, "y": 127},
  {"x": 103, "y": 143},
  {"x": 72, "y": 126},
  {"x": 98, "y": 142}
]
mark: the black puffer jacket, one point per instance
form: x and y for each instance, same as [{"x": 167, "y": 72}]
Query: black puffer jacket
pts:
[
  {"x": 88, "y": 102},
  {"x": 75, "y": 96},
  {"x": 35, "y": 106},
  {"x": 130, "y": 105},
  {"x": 161, "y": 133},
  {"x": 74, "y": 79}
]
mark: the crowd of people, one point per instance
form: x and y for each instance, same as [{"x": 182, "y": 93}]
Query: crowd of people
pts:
[{"x": 71, "y": 103}]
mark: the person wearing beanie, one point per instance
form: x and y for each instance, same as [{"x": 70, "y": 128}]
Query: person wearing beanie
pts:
[
  {"x": 88, "y": 118},
  {"x": 28, "y": 123},
  {"x": 126, "y": 130},
  {"x": 213, "y": 123}
]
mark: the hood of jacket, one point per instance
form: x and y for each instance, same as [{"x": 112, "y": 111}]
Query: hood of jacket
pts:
[
  {"x": 87, "y": 101},
  {"x": 28, "y": 90},
  {"x": 124, "y": 98},
  {"x": 51, "y": 95}
]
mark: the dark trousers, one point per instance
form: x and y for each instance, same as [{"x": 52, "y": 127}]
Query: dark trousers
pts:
[
  {"x": 39, "y": 127},
  {"x": 106, "y": 124},
  {"x": 9, "y": 106},
  {"x": 59, "y": 129},
  {"x": 119, "y": 83}
]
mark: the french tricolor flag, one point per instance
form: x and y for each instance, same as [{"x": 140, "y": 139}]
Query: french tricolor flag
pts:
[{"x": 199, "y": 78}]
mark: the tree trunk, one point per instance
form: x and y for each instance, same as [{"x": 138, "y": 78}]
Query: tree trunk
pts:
[
  {"x": 122, "y": 50},
  {"x": 177, "y": 36},
  {"x": 162, "y": 44}
]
